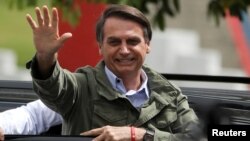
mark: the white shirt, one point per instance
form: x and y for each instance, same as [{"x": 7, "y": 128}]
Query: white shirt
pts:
[{"x": 33, "y": 118}]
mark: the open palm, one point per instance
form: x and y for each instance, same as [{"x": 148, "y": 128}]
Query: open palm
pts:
[{"x": 45, "y": 32}]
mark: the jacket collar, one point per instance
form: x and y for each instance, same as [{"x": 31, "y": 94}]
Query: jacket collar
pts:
[
  {"x": 157, "y": 84},
  {"x": 106, "y": 90}
]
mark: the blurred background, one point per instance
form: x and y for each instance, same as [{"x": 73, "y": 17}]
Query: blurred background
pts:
[{"x": 205, "y": 37}]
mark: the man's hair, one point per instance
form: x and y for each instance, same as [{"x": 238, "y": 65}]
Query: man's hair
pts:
[{"x": 123, "y": 12}]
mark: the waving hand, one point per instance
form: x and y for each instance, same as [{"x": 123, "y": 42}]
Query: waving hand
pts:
[{"x": 46, "y": 36}]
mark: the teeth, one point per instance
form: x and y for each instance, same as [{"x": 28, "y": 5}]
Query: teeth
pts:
[{"x": 126, "y": 59}]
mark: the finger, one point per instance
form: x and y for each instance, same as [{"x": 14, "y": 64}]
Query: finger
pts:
[
  {"x": 31, "y": 22},
  {"x": 39, "y": 16},
  {"x": 46, "y": 16},
  {"x": 93, "y": 132},
  {"x": 100, "y": 138},
  {"x": 64, "y": 37},
  {"x": 55, "y": 18}
]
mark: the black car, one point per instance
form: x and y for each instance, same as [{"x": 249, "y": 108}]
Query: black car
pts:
[{"x": 214, "y": 107}]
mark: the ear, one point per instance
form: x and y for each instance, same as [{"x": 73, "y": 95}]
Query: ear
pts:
[
  {"x": 147, "y": 48},
  {"x": 100, "y": 49}
]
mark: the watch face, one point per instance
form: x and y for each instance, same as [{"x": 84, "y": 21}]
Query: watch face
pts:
[{"x": 149, "y": 136}]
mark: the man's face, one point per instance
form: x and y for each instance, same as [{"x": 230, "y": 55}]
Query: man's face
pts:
[{"x": 124, "y": 48}]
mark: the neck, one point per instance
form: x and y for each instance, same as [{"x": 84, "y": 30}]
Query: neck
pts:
[{"x": 132, "y": 82}]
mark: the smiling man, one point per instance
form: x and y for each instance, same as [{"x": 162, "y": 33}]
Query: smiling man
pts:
[{"x": 120, "y": 98}]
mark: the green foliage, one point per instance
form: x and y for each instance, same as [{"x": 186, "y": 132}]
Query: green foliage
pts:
[
  {"x": 71, "y": 10},
  {"x": 20, "y": 4},
  {"x": 164, "y": 8},
  {"x": 218, "y": 8}
]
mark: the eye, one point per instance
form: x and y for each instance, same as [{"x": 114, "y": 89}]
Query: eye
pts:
[
  {"x": 133, "y": 42},
  {"x": 114, "y": 42}
]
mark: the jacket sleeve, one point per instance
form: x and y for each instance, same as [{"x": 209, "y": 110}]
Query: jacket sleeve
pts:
[
  {"x": 186, "y": 126},
  {"x": 60, "y": 91}
]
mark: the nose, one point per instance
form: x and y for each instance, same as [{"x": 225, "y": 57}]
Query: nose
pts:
[{"x": 124, "y": 49}]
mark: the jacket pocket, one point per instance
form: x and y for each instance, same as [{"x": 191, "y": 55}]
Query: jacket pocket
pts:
[
  {"x": 108, "y": 114},
  {"x": 166, "y": 118}
]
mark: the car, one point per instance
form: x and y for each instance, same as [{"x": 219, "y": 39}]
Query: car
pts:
[{"x": 212, "y": 105}]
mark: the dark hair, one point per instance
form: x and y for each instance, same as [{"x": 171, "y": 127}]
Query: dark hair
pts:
[{"x": 124, "y": 12}]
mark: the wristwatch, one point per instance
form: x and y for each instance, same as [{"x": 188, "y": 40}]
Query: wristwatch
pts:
[{"x": 149, "y": 135}]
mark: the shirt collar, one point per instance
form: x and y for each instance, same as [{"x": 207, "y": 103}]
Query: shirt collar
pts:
[{"x": 117, "y": 83}]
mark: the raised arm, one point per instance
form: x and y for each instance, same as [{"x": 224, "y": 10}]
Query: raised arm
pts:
[{"x": 46, "y": 38}]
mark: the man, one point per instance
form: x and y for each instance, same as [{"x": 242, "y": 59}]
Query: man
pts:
[
  {"x": 1, "y": 134},
  {"x": 31, "y": 119},
  {"x": 120, "y": 98}
]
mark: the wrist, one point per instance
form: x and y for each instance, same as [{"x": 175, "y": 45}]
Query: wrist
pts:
[
  {"x": 132, "y": 131},
  {"x": 45, "y": 66},
  {"x": 47, "y": 59}
]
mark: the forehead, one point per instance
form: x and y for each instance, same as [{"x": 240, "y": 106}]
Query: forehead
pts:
[{"x": 115, "y": 26}]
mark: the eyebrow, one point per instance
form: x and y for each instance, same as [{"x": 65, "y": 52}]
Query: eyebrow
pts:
[
  {"x": 131, "y": 37},
  {"x": 112, "y": 38}
]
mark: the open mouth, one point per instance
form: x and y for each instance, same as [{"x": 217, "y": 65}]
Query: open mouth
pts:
[{"x": 125, "y": 61}]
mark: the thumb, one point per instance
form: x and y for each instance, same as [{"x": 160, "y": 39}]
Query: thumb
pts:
[
  {"x": 83, "y": 134},
  {"x": 65, "y": 37},
  {"x": 93, "y": 132},
  {"x": 86, "y": 133}
]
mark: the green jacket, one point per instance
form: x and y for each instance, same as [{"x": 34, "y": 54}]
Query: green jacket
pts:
[{"x": 86, "y": 100}]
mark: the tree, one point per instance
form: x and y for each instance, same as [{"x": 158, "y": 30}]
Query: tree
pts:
[
  {"x": 164, "y": 8},
  {"x": 218, "y": 8}
]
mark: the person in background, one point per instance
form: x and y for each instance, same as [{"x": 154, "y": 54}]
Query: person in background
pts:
[
  {"x": 120, "y": 98},
  {"x": 1, "y": 134},
  {"x": 33, "y": 118}
]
